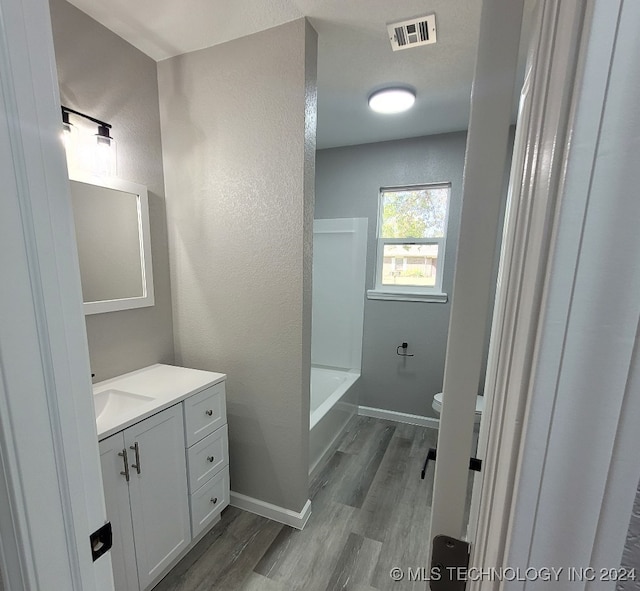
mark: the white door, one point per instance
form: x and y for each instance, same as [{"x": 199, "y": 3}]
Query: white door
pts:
[
  {"x": 115, "y": 477},
  {"x": 538, "y": 161},
  {"x": 51, "y": 497},
  {"x": 485, "y": 161},
  {"x": 158, "y": 491},
  {"x": 561, "y": 468}
]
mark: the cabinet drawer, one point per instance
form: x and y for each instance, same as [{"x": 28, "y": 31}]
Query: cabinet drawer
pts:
[
  {"x": 204, "y": 413},
  {"x": 207, "y": 457},
  {"x": 208, "y": 501}
]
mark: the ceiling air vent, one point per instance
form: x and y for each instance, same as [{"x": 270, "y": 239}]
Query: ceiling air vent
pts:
[{"x": 412, "y": 33}]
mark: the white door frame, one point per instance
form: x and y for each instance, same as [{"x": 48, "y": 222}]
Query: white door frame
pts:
[
  {"x": 560, "y": 469},
  {"x": 536, "y": 171},
  {"x": 51, "y": 495}
]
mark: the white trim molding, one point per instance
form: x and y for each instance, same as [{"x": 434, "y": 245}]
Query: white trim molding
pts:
[
  {"x": 398, "y": 417},
  {"x": 575, "y": 491},
  {"x": 409, "y": 293},
  {"x": 538, "y": 162},
  {"x": 144, "y": 234},
  {"x": 407, "y": 296},
  {"x": 560, "y": 470},
  {"x": 293, "y": 519},
  {"x": 51, "y": 495}
]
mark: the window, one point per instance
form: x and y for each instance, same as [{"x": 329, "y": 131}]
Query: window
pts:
[{"x": 412, "y": 230}]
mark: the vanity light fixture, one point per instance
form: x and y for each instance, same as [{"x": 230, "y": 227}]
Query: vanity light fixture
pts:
[
  {"x": 68, "y": 132},
  {"x": 103, "y": 136},
  {"x": 67, "y": 126},
  {"x": 392, "y": 100},
  {"x": 104, "y": 148},
  {"x": 103, "y": 128},
  {"x": 105, "y": 155}
]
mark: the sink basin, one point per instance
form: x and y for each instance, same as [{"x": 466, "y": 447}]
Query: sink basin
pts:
[{"x": 114, "y": 403}]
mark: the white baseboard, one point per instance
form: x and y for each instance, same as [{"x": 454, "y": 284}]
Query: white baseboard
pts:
[
  {"x": 400, "y": 417},
  {"x": 274, "y": 512}
]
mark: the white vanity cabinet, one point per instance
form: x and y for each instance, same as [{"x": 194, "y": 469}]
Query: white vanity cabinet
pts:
[
  {"x": 165, "y": 468},
  {"x": 149, "y": 514},
  {"x": 118, "y": 505},
  {"x": 207, "y": 456}
]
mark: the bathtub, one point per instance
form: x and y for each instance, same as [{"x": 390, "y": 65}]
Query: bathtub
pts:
[{"x": 334, "y": 401}]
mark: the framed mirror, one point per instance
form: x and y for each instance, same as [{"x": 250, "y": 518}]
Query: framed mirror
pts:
[{"x": 114, "y": 247}]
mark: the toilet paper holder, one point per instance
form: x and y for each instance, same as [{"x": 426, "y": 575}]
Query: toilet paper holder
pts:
[{"x": 404, "y": 347}]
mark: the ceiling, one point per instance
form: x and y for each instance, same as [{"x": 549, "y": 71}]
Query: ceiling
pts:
[{"x": 354, "y": 53}]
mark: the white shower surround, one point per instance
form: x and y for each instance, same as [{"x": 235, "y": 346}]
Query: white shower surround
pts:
[{"x": 339, "y": 262}]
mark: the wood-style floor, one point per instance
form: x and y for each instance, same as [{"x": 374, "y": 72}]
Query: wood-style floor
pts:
[{"x": 370, "y": 512}]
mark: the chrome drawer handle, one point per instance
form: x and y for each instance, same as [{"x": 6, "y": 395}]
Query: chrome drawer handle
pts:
[
  {"x": 208, "y": 412},
  {"x": 210, "y": 458},
  {"x": 125, "y": 473},
  {"x": 214, "y": 500}
]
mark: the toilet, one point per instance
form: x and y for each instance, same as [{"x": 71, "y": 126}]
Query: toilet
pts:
[{"x": 437, "y": 406}]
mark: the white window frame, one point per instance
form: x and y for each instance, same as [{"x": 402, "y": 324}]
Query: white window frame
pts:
[{"x": 410, "y": 293}]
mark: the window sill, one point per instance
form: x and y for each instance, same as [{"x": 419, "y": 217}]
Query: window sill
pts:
[{"x": 407, "y": 296}]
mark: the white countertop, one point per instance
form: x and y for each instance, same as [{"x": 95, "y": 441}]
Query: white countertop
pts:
[{"x": 166, "y": 385}]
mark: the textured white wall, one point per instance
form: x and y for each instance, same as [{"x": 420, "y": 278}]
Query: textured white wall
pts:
[
  {"x": 102, "y": 75},
  {"x": 238, "y": 130}
]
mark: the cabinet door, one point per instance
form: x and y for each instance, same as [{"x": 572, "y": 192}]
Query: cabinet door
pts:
[
  {"x": 116, "y": 495},
  {"x": 158, "y": 492}
]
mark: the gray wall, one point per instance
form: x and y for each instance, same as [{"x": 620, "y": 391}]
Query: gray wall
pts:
[
  {"x": 238, "y": 129},
  {"x": 102, "y": 75},
  {"x": 631, "y": 554},
  {"x": 348, "y": 182}
]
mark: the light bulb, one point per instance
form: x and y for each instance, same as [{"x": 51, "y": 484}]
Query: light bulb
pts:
[
  {"x": 70, "y": 141},
  {"x": 392, "y": 100},
  {"x": 105, "y": 153}
]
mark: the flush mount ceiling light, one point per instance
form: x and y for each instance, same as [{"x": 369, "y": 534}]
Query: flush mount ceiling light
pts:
[{"x": 392, "y": 100}]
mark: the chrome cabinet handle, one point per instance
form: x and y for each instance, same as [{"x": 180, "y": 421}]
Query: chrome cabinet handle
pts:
[
  {"x": 125, "y": 473},
  {"x": 208, "y": 412},
  {"x": 210, "y": 458},
  {"x": 136, "y": 448},
  {"x": 214, "y": 500}
]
